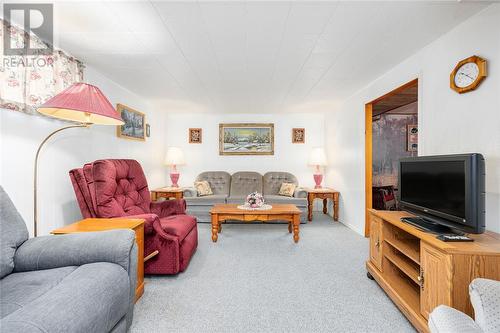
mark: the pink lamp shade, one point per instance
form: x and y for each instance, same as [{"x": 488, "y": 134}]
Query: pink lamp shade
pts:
[{"x": 84, "y": 103}]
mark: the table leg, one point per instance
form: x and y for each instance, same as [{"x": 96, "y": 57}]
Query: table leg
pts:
[
  {"x": 215, "y": 227},
  {"x": 325, "y": 206},
  {"x": 336, "y": 207},
  {"x": 290, "y": 227},
  {"x": 296, "y": 223},
  {"x": 310, "y": 200},
  {"x": 219, "y": 227}
]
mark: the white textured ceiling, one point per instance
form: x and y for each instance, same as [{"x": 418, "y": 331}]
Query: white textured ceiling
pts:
[{"x": 242, "y": 57}]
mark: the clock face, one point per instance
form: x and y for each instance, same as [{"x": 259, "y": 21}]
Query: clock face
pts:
[{"x": 466, "y": 74}]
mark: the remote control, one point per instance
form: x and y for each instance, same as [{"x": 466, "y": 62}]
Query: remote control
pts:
[{"x": 454, "y": 238}]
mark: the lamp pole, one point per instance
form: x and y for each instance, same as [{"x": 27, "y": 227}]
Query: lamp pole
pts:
[{"x": 35, "y": 176}]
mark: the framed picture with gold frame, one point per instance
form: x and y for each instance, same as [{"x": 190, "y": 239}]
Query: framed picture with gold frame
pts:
[
  {"x": 246, "y": 139},
  {"x": 195, "y": 135},
  {"x": 298, "y": 135},
  {"x": 134, "y": 127}
]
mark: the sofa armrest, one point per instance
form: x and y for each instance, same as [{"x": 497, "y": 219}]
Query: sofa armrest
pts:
[
  {"x": 485, "y": 298},
  {"x": 46, "y": 252},
  {"x": 300, "y": 192},
  {"x": 444, "y": 319},
  {"x": 168, "y": 207},
  {"x": 190, "y": 192}
]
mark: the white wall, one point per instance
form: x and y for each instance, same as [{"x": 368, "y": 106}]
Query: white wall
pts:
[
  {"x": 205, "y": 157},
  {"x": 21, "y": 134},
  {"x": 448, "y": 122}
]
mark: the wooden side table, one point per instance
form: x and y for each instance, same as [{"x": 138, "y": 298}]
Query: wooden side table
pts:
[
  {"x": 89, "y": 225},
  {"x": 168, "y": 193},
  {"x": 325, "y": 194}
]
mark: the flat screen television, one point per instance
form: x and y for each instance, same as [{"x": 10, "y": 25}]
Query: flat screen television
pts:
[{"x": 447, "y": 193}]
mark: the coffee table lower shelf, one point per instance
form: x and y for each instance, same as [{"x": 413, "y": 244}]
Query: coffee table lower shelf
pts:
[{"x": 223, "y": 212}]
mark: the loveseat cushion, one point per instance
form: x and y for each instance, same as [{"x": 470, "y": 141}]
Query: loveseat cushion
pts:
[
  {"x": 208, "y": 200},
  {"x": 13, "y": 233},
  {"x": 92, "y": 298},
  {"x": 19, "y": 289},
  {"x": 178, "y": 225}
]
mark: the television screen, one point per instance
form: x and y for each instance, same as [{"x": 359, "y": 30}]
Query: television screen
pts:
[{"x": 436, "y": 185}]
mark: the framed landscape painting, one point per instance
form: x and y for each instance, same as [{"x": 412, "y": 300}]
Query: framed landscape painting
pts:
[
  {"x": 246, "y": 139},
  {"x": 135, "y": 123}
]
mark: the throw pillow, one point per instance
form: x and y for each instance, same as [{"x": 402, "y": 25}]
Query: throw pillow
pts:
[
  {"x": 203, "y": 188},
  {"x": 287, "y": 189}
]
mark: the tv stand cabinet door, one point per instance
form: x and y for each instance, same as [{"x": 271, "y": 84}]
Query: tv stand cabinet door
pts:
[
  {"x": 376, "y": 241},
  {"x": 435, "y": 279}
]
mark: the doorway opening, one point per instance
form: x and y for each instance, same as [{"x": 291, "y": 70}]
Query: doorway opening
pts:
[{"x": 391, "y": 133}]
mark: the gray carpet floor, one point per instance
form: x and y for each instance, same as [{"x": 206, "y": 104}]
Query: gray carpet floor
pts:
[{"x": 255, "y": 279}]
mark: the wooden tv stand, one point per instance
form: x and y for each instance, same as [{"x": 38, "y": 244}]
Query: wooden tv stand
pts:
[{"x": 419, "y": 272}]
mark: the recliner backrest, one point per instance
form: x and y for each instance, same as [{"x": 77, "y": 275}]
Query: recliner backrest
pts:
[
  {"x": 120, "y": 187},
  {"x": 274, "y": 179},
  {"x": 219, "y": 181},
  {"x": 245, "y": 182}
]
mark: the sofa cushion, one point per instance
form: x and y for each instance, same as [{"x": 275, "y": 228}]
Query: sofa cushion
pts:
[
  {"x": 13, "y": 233},
  {"x": 219, "y": 181},
  {"x": 208, "y": 200},
  {"x": 19, "y": 289},
  {"x": 178, "y": 225},
  {"x": 92, "y": 298},
  {"x": 121, "y": 188},
  {"x": 280, "y": 199},
  {"x": 274, "y": 179},
  {"x": 245, "y": 182}
]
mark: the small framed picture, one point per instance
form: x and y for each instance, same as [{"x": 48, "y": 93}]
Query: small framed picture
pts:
[
  {"x": 195, "y": 135},
  {"x": 148, "y": 130},
  {"x": 298, "y": 135},
  {"x": 412, "y": 138}
]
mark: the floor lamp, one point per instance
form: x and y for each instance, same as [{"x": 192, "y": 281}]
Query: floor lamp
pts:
[{"x": 82, "y": 103}]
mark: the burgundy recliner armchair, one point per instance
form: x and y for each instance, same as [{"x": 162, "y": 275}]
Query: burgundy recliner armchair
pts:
[{"x": 118, "y": 188}]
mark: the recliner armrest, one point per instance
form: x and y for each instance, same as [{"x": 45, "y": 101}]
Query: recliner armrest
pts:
[
  {"x": 444, "y": 319},
  {"x": 46, "y": 252},
  {"x": 190, "y": 192},
  {"x": 168, "y": 207}
]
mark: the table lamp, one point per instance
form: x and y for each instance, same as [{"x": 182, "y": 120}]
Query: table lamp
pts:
[
  {"x": 317, "y": 158},
  {"x": 82, "y": 103},
  {"x": 174, "y": 157}
]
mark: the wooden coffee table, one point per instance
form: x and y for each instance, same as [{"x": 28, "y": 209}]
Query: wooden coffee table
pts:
[{"x": 223, "y": 212}]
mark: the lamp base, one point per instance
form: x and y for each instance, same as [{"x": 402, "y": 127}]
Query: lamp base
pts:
[
  {"x": 318, "y": 178},
  {"x": 174, "y": 177}
]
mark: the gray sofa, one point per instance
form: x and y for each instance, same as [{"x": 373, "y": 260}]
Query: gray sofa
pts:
[
  {"x": 69, "y": 283},
  {"x": 234, "y": 188}
]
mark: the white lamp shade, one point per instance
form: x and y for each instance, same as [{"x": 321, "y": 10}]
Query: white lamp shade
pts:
[
  {"x": 174, "y": 156},
  {"x": 317, "y": 157}
]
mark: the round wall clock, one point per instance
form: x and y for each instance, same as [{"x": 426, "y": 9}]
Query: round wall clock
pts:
[{"x": 468, "y": 74}]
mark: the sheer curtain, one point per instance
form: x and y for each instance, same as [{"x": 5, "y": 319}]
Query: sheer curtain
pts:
[{"x": 28, "y": 81}]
